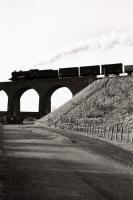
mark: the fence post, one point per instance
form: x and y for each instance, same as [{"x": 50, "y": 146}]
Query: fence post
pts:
[
  {"x": 101, "y": 132},
  {"x": 121, "y": 133},
  {"x": 104, "y": 131},
  {"x": 112, "y": 131},
  {"x": 131, "y": 135},
  {"x": 90, "y": 129},
  {"x": 109, "y": 132},
  {"x": 116, "y": 134},
  {"x": 128, "y": 132},
  {"x": 97, "y": 130},
  {"x": 87, "y": 129}
]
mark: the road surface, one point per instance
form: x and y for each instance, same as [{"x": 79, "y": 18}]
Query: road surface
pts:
[{"x": 43, "y": 164}]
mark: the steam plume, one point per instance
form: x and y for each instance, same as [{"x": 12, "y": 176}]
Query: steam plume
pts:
[{"x": 102, "y": 43}]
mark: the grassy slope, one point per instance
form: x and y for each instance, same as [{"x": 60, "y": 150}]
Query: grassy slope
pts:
[{"x": 109, "y": 100}]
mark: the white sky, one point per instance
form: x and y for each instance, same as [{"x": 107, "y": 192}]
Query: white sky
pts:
[{"x": 31, "y": 31}]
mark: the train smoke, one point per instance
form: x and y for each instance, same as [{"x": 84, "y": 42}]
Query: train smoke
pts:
[{"x": 102, "y": 43}]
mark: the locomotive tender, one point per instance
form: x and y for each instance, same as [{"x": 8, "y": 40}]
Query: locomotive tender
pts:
[{"x": 108, "y": 69}]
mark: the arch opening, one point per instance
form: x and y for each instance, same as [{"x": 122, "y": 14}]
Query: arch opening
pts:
[
  {"x": 60, "y": 97},
  {"x": 3, "y": 100},
  {"x": 29, "y": 101}
]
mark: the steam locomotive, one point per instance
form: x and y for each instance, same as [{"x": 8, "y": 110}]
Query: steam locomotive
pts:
[
  {"x": 33, "y": 74},
  {"x": 94, "y": 70}
]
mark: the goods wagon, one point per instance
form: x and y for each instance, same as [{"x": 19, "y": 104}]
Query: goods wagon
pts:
[
  {"x": 128, "y": 69},
  {"x": 90, "y": 70},
  {"x": 68, "y": 72},
  {"x": 112, "y": 69}
]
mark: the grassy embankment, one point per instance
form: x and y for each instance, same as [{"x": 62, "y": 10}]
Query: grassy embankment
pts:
[{"x": 105, "y": 102}]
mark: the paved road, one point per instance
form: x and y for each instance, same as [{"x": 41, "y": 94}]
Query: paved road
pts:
[{"x": 44, "y": 165}]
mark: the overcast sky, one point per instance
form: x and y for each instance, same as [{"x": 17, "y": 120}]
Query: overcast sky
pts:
[
  {"x": 64, "y": 33},
  {"x": 31, "y": 30}
]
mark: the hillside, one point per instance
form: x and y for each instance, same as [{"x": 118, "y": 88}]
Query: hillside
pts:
[{"x": 106, "y": 101}]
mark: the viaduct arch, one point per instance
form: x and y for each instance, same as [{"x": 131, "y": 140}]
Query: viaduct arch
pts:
[
  {"x": 44, "y": 87},
  {"x": 29, "y": 101},
  {"x": 4, "y": 99}
]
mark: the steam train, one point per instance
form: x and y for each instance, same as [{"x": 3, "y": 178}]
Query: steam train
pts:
[{"x": 94, "y": 70}]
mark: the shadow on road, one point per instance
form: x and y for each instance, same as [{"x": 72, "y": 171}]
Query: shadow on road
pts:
[{"x": 30, "y": 179}]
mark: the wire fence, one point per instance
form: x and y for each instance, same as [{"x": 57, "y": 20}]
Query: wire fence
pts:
[{"x": 117, "y": 132}]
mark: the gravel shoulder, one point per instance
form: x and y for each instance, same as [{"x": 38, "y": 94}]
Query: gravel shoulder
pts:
[{"x": 100, "y": 146}]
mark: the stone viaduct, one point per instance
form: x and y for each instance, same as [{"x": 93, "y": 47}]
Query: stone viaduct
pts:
[{"x": 44, "y": 88}]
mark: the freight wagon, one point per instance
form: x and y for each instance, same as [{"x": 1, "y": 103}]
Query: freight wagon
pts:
[
  {"x": 109, "y": 69},
  {"x": 69, "y": 72},
  {"x": 90, "y": 70},
  {"x": 128, "y": 69}
]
